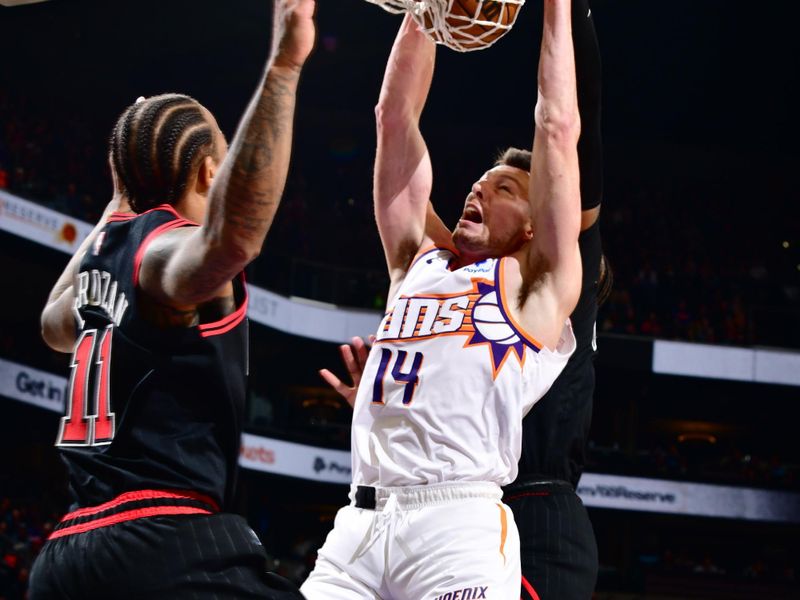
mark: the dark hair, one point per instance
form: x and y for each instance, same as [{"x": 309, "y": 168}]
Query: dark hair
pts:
[
  {"x": 156, "y": 145},
  {"x": 514, "y": 157}
]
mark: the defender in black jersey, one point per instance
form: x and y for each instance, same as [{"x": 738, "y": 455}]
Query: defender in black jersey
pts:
[
  {"x": 557, "y": 543},
  {"x": 159, "y": 361}
]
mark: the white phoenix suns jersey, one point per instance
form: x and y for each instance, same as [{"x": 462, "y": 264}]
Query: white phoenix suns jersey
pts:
[{"x": 449, "y": 379}]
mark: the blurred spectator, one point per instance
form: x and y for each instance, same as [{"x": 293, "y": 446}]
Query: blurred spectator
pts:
[
  {"x": 23, "y": 531},
  {"x": 731, "y": 466}
]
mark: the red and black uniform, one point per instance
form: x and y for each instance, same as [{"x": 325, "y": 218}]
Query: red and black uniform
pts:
[
  {"x": 557, "y": 543},
  {"x": 151, "y": 442}
]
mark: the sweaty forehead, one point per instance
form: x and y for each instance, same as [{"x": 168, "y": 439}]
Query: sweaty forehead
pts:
[{"x": 514, "y": 173}]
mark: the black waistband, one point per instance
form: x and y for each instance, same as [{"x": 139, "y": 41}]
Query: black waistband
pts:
[
  {"x": 134, "y": 505},
  {"x": 365, "y": 497},
  {"x": 537, "y": 486}
]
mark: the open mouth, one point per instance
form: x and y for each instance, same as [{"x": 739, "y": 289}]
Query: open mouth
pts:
[{"x": 472, "y": 214}]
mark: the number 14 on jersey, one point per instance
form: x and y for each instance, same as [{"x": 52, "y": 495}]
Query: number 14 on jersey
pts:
[{"x": 408, "y": 378}]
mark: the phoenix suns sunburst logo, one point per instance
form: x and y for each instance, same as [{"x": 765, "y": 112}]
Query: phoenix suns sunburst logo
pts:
[{"x": 477, "y": 313}]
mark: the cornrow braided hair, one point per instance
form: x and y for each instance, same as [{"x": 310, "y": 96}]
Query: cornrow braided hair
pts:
[{"x": 156, "y": 145}]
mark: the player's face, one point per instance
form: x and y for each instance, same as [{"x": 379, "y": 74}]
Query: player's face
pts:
[{"x": 496, "y": 219}]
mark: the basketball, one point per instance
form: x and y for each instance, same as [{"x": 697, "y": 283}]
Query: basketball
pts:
[{"x": 466, "y": 25}]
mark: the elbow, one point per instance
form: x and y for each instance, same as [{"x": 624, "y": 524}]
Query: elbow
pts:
[
  {"x": 47, "y": 335},
  {"x": 237, "y": 255},
  {"x": 55, "y": 337},
  {"x": 54, "y": 343},
  {"x": 391, "y": 117},
  {"x": 561, "y": 125},
  {"x": 248, "y": 255},
  {"x": 229, "y": 248}
]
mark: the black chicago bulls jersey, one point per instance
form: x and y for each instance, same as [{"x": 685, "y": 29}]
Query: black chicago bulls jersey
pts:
[
  {"x": 554, "y": 433},
  {"x": 149, "y": 408}
]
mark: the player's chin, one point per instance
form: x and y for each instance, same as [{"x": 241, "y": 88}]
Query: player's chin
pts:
[{"x": 467, "y": 235}]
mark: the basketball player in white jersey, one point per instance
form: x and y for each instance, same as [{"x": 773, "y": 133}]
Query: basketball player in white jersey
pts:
[{"x": 475, "y": 332}]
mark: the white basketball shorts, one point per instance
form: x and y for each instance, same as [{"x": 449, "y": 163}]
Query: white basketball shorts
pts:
[{"x": 436, "y": 542}]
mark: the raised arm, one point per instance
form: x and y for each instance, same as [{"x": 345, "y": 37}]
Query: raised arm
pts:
[
  {"x": 403, "y": 175},
  {"x": 555, "y": 182},
  {"x": 588, "y": 71},
  {"x": 190, "y": 267}
]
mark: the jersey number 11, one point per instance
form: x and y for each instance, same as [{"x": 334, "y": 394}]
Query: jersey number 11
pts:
[{"x": 80, "y": 427}]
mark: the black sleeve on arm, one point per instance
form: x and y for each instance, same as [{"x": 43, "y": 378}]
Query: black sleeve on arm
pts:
[{"x": 588, "y": 74}]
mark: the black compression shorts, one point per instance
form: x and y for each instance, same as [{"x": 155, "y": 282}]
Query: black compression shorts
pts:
[{"x": 557, "y": 544}]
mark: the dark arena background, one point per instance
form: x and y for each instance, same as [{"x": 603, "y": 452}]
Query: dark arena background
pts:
[{"x": 693, "y": 481}]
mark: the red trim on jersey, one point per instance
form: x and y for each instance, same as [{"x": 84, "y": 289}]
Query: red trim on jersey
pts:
[
  {"x": 127, "y": 216},
  {"x": 137, "y": 261},
  {"x": 525, "y": 495},
  {"x": 140, "y": 495},
  {"x": 529, "y": 588},
  {"x": 117, "y": 217},
  {"x": 225, "y": 324},
  {"x": 129, "y": 515},
  {"x": 171, "y": 209}
]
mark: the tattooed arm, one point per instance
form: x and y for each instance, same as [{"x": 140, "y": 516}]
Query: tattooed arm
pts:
[{"x": 190, "y": 266}]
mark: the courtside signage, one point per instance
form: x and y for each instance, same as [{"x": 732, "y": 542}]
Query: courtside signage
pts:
[
  {"x": 42, "y": 225},
  {"x": 721, "y": 362},
  {"x": 296, "y": 316},
  {"x": 596, "y": 490},
  {"x": 280, "y": 457},
  {"x": 294, "y": 460},
  {"x": 32, "y": 386},
  {"x": 308, "y": 318},
  {"x": 681, "y": 498}
]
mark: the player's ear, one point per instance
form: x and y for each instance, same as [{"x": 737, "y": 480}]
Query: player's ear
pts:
[
  {"x": 527, "y": 230},
  {"x": 205, "y": 174}
]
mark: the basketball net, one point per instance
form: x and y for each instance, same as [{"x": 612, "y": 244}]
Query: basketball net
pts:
[{"x": 452, "y": 30}]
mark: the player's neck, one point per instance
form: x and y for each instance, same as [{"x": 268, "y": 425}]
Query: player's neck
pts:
[
  {"x": 466, "y": 258},
  {"x": 192, "y": 206}
]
